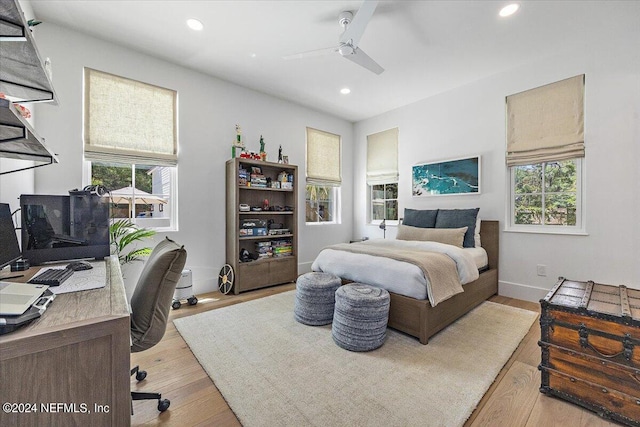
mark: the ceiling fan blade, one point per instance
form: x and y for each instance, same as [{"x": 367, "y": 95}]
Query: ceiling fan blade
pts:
[
  {"x": 357, "y": 26},
  {"x": 311, "y": 53},
  {"x": 359, "y": 57}
]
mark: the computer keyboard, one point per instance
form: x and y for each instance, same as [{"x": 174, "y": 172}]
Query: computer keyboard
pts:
[{"x": 52, "y": 277}]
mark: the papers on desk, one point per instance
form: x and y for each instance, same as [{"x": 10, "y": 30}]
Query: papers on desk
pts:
[{"x": 83, "y": 280}]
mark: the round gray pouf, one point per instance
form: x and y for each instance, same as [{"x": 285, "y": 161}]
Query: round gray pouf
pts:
[
  {"x": 315, "y": 298},
  {"x": 360, "y": 317}
]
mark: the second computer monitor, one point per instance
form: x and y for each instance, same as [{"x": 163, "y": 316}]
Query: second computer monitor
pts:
[{"x": 60, "y": 228}]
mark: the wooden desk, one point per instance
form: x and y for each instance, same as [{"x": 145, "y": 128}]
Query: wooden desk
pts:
[{"x": 73, "y": 362}]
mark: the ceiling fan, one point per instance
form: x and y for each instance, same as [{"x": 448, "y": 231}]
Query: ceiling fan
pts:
[{"x": 354, "y": 27}]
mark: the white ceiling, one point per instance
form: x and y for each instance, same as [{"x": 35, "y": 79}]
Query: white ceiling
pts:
[{"x": 426, "y": 47}]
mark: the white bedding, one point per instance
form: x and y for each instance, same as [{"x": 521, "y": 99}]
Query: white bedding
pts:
[
  {"x": 397, "y": 276},
  {"x": 479, "y": 255}
]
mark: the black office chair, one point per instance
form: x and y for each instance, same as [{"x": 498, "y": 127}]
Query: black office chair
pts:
[{"x": 150, "y": 305}]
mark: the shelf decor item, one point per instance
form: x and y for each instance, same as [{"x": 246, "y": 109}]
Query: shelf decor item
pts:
[
  {"x": 450, "y": 177},
  {"x": 237, "y": 147},
  {"x": 263, "y": 154}
]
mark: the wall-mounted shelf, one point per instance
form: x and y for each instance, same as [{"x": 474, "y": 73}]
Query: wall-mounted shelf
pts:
[
  {"x": 22, "y": 75},
  {"x": 23, "y": 78},
  {"x": 18, "y": 140}
]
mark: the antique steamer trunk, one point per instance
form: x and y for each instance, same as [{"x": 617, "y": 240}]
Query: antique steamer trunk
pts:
[{"x": 590, "y": 340}]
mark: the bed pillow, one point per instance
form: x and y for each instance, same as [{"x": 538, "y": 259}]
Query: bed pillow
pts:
[
  {"x": 478, "y": 242},
  {"x": 456, "y": 218},
  {"x": 450, "y": 236},
  {"x": 420, "y": 218}
]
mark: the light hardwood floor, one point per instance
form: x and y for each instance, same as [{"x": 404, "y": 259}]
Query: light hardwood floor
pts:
[{"x": 512, "y": 400}]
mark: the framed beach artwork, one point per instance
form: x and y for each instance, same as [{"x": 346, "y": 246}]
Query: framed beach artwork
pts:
[{"x": 449, "y": 177}]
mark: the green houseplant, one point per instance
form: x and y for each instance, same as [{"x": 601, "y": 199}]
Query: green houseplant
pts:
[{"x": 123, "y": 233}]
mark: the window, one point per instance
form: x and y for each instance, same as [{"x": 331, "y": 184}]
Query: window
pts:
[
  {"x": 149, "y": 186},
  {"x": 545, "y": 148},
  {"x": 323, "y": 177},
  {"x": 547, "y": 195},
  {"x": 320, "y": 203},
  {"x": 130, "y": 143},
  {"x": 382, "y": 175},
  {"x": 384, "y": 202}
]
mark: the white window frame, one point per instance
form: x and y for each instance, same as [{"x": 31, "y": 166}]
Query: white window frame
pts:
[
  {"x": 173, "y": 200},
  {"x": 335, "y": 182},
  {"x": 371, "y": 199},
  {"x": 335, "y": 214},
  {"x": 578, "y": 229}
]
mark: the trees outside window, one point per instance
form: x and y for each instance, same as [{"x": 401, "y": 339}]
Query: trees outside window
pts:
[
  {"x": 149, "y": 186},
  {"x": 320, "y": 203},
  {"x": 547, "y": 194},
  {"x": 384, "y": 202}
]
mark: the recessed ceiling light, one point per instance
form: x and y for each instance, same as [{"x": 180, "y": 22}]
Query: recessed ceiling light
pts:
[
  {"x": 252, "y": 55},
  {"x": 345, "y": 91},
  {"x": 194, "y": 24},
  {"x": 509, "y": 9}
]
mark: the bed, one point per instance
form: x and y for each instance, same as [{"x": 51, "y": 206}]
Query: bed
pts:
[{"x": 417, "y": 317}]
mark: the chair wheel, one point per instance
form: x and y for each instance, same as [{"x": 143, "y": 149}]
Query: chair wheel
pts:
[
  {"x": 176, "y": 305},
  {"x": 140, "y": 375},
  {"x": 163, "y": 405},
  {"x": 192, "y": 301}
]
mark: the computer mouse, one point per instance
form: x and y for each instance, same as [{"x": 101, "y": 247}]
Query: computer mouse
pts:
[{"x": 79, "y": 265}]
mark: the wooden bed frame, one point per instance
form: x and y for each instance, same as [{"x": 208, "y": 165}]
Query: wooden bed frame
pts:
[{"x": 417, "y": 318}]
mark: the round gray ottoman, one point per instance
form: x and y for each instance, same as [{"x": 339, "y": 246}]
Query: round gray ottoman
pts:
[
  {"x": 315, "y": 298},
  {"x": 360, "y": 317}
]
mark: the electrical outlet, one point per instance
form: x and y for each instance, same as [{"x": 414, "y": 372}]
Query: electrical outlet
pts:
[{"x": 542, "y": 269}]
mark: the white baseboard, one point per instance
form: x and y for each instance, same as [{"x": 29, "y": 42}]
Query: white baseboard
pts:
[
  {"x": 520, "y": 291},
  {"x": 204, "y": 278},
  {"x": 304, "y": 267}
]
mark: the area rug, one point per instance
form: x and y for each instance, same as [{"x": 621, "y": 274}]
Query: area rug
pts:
[{"x": 273, "y": 371}]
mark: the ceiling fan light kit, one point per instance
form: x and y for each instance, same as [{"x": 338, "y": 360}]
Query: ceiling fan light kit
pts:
[
  {"x": 345, "y": 50},
  {"x": 354, "y": 27}
]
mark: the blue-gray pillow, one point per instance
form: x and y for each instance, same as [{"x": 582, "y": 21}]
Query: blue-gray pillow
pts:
[
  {"x": 456, "y": 218},
  {"x": 420, "y": 218}
]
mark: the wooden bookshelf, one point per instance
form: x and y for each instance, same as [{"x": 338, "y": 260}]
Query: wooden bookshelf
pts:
[{"x": 283, "y": 203}]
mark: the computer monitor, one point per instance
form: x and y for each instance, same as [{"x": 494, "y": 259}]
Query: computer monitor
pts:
[
  {"x": 9, "y": 246},
  {"x": 60, "y": 228}
]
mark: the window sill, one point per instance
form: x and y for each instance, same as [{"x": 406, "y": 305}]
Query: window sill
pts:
[
  {"x": 164, "y": 229},
  {"x": 321, "y": 223},
  {"x": 566, "y": 232}
]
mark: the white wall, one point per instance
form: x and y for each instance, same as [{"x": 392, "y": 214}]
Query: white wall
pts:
[
  {"x": 209, "y": 108},
  {"x": 466, "y": 121},
  {"x": 470, "y": 120}
]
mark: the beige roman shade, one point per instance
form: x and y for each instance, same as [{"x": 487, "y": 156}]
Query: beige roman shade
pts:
[
  {"x": 129, "y": 121},
  {"x": 323, "y": 158},
  {"x": 546, "y": 123},
  {"x": 382, "y": 157}
]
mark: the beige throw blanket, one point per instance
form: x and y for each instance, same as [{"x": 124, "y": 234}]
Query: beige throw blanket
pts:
[{"x": 439, "y": 269}]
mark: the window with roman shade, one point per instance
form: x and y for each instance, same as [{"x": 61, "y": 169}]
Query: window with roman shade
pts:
[
  {"x": 323, "y": 158},
  {"x": 382, "y": 175},
  {"x": 382, "y": 157},
  {"x": 129, "y": 121},
  {"x": 546, "y": 123},
  {"x": 130, "y": 144},
  {"x": 545, "y": 149},
  {"x": 322, "y": 192}
]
